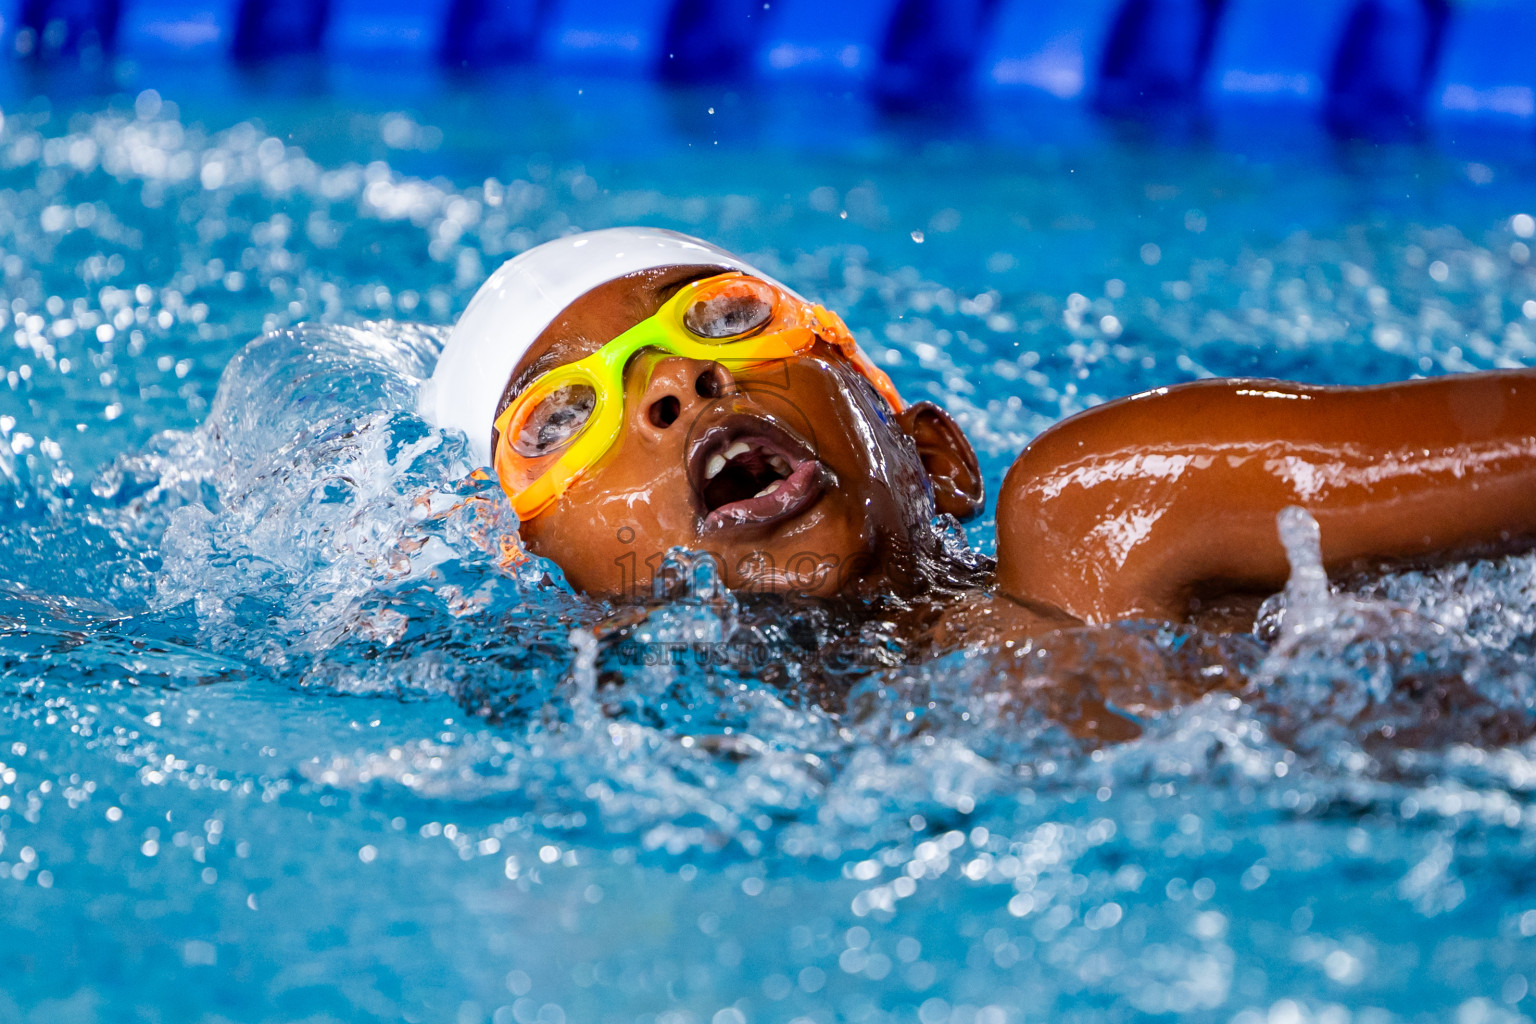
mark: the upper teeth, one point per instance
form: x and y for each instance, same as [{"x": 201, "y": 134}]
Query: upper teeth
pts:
[{"x": 718, "y": 462}]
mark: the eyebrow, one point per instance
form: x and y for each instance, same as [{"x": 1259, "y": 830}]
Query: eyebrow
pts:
[
  {"x": 671, "y": 288},
  {"x": 548, "y": 361}
]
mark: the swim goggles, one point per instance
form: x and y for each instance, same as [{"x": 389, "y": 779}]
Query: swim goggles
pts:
[{"x": 561, "y": 424}]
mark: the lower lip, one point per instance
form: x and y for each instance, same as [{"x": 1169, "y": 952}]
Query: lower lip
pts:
[{"x": 794, "y": 495}]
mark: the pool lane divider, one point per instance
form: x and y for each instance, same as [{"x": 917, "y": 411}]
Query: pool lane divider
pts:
[
  {"x": 617, "y": 36},
  {"x": 1355, "y": 62},
  {"x": 1486, "y": 69},
  {"x": 1352, "y": 62}
]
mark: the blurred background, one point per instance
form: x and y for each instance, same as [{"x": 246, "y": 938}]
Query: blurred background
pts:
[
  {"x": 1384, "y": 64},
  {"x": 1354, "y": 62}
]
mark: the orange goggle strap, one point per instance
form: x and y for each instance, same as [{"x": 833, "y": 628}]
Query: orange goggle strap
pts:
[{"x": 534, "y": 483}]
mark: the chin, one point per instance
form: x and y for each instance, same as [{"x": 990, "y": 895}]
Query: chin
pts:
[{"x": 826, "y": 570}]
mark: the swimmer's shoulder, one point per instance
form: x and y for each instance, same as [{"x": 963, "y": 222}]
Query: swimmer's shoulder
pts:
[{"x": 1078, "y": 491}]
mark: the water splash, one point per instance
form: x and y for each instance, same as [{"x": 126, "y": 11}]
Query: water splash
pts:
[
  {"x": 1347, "y": 671},
  {"x": 1307, "y": 600},
  {"x": 265, "y": 680}
]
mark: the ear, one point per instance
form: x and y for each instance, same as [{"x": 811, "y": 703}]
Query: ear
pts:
[{"x": 948, "y": 459}]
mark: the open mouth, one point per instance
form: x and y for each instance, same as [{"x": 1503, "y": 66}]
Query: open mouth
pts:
[{"x": 746, "y": 470}]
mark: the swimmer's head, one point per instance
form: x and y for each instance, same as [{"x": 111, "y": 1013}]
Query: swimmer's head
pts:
[{"x": 638, "y": 390}]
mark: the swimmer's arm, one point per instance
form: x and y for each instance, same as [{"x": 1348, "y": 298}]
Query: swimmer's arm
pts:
[{"x": 1140, "y": 507}]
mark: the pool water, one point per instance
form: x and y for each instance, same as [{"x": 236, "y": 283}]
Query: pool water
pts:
[{"x": 280, "y": 740}]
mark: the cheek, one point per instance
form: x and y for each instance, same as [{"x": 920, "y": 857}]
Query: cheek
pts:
[
  {"x": 636, "y": 502},
  {"x": 639, "y": 478},
  {"x": 877, "y": 465},
  {"x": 607, "y": 547}
]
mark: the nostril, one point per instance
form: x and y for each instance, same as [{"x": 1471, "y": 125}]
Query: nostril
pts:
[
  {"x": 663, "y": 412},
  {"x": 709, "y": 385}
]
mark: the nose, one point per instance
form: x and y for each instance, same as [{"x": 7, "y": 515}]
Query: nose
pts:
[{"x": 677, "y": 387}]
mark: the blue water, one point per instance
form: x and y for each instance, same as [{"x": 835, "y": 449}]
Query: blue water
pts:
[{"x": 281, "y": 741}]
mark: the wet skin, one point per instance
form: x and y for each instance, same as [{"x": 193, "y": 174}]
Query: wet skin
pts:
[
  {"x": 1145, "y": 507},
  {"x": 850, "y": 515},
  {"x": 1148, "y": 506}
]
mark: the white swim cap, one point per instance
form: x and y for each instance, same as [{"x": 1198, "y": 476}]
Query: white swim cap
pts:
[{"x": 522, "y": 298}]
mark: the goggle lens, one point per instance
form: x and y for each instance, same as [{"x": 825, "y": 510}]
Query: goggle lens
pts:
[
  {"x": 554, "y": 420},
  {"x": 732, "y": 309}
]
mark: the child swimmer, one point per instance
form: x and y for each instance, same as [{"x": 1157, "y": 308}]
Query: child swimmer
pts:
[{"x": 637, "y": 389}]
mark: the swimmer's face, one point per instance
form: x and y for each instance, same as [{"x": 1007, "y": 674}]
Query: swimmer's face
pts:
[{"x": 794, "y": 474}]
